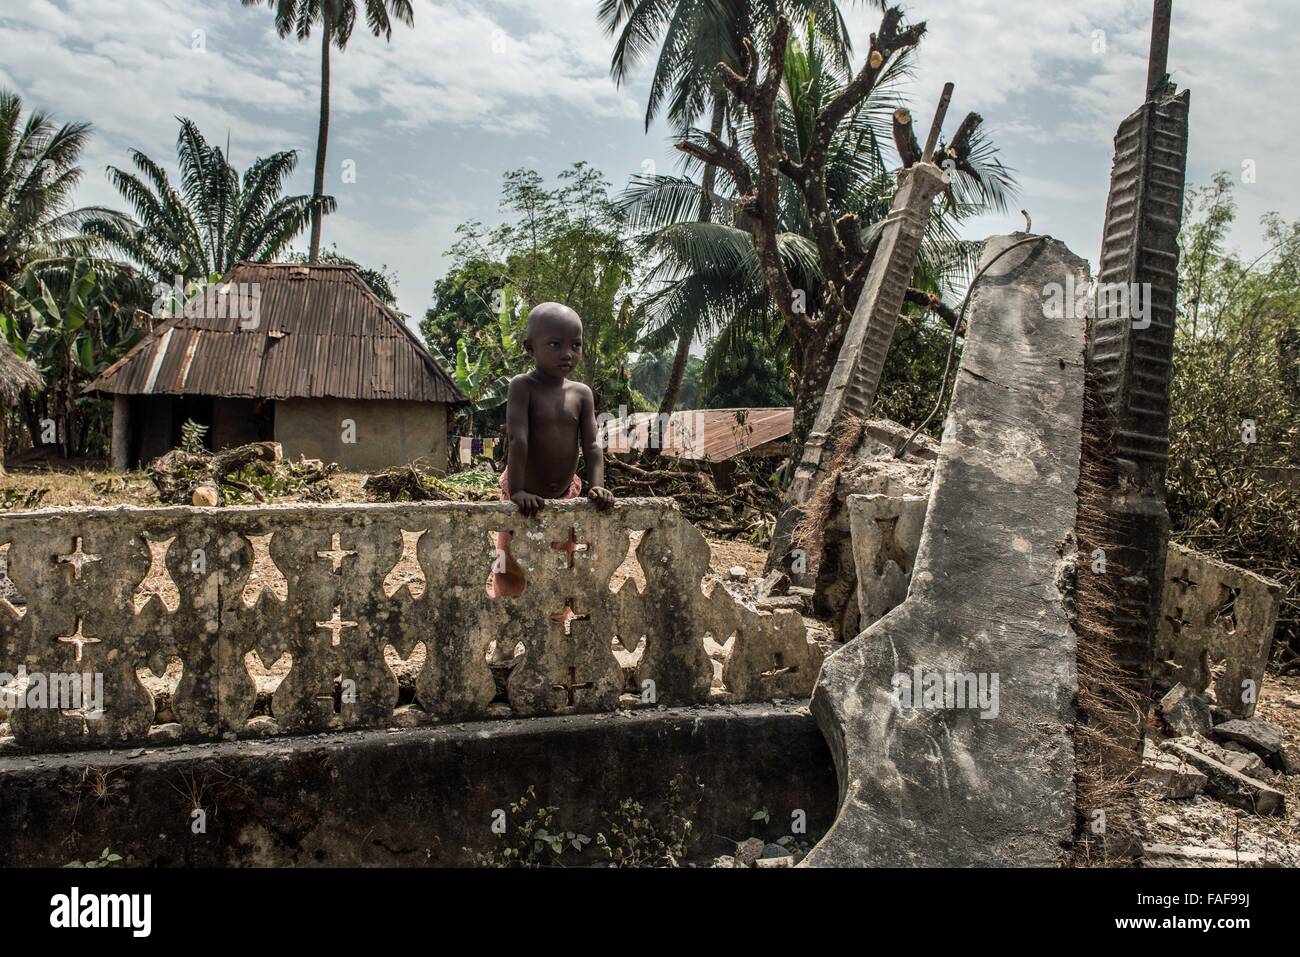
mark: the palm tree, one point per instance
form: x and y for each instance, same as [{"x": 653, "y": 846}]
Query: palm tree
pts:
[
  {"x": 707, "y": 275},
  {"x": 336, "y": 19},
  {"x": 697, "y": 35},
  {"x": 38, "y": 175},
  {"x": 214, "y": 220}
]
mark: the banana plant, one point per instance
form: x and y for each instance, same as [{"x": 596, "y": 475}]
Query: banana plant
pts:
[{"x": 59, "y": 339}]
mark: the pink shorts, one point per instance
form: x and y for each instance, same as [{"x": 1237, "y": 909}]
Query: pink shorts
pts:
[
  {"x": 504, "y": 588},
  {"x": 575, "y": 487}
]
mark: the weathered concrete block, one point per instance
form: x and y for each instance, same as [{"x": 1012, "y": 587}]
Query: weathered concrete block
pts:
[
  {"x": 1185, "y": 711},
  {"x": 1169, "y": 855},
  {"x": 953, "y": 784},
  {"x": 886, "y": 534},
  {"x": 872, "y": 471},
  {"x": 1229, "y": 785},
  {"x": 1262, "y": 737},
  {"x": 1216, "y": 616},
  {"x": 1171, "y": 776}
]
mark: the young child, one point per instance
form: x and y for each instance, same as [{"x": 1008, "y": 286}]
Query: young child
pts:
[{"x": 546, "y": 416}]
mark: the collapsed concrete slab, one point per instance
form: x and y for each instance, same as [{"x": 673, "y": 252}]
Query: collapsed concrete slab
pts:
[
  {"x": 949, "y": 718},
  {"x": 1229, "y": 785},
  {"x": 1216, "y": 627}
]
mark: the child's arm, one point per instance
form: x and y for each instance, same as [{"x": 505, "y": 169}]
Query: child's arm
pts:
[
  {"x": 517, "y": 430},
  {"x": 593, "y": 454}
]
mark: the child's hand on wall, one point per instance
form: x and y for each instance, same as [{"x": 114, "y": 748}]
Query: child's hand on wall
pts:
[
  {"x": 603, "y": 497},
  {"x": 529, "y": 504}
]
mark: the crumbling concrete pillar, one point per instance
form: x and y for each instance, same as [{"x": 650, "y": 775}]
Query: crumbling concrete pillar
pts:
[
  {"x": 949, "y": 719},
  {"x": 851, "y": 389},
  {"x": 1130, "y": 357},
  {"x": 1123, "y": 522}
]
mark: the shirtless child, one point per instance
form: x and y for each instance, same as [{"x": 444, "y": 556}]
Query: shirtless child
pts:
[{"x": 546, "y": 415}]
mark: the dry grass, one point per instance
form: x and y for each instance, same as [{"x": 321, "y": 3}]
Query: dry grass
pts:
[
  {"x": 1111, "y": 709},
  {"x": 809, "y": 533}
]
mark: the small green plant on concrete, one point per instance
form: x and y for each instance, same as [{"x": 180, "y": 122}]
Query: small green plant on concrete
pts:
[
  {"x": 537, "y": 842},
  {"x": 194, "y": 437},
  {"x": 106, "y": 859},
  {"x": 629, "y": 838},
  {"x": 633, "y": 840}
]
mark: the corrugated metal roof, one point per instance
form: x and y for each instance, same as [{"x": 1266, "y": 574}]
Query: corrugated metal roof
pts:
[
  {"x": 320, "y": 332},
  {"x": 712, "y": 435}
]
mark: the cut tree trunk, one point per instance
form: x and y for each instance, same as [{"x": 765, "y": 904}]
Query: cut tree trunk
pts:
[{"x": 322, "y": 137}]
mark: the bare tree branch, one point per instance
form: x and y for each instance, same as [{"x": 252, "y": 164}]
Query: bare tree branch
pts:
[
  {"x": 885, "y": 43},
  {"x": 928, "y": 300}
]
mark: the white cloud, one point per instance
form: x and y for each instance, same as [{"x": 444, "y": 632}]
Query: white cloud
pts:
[{"x": 480, "y": 86}]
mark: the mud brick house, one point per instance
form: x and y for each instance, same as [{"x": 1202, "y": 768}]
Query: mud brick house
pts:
[{"x": 307, "y": 356}]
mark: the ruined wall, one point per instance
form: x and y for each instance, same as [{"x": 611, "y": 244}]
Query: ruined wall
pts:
[
  {"x": 927, "y": 775},
  {"x": 188, "y": 613},
  {"x": 384, "y": 432},
  {"x": 873, "y": 471},
  {"x": 1216, "y": 620},
  {"x": 1215, "y": 628}
]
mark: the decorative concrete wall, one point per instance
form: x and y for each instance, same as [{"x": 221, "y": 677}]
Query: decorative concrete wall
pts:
[
  {"x": 209, "y": 623},
  {"x": 1216, "y": 626},
  {"x": 886, "y": 532}
]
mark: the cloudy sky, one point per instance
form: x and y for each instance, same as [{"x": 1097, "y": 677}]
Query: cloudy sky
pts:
[{"x": 431, "y": 120}]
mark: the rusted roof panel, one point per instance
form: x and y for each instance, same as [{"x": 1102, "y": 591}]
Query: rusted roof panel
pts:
[
  {"x": 712, "y": 435},
  {"x": 319, "y": 332}
]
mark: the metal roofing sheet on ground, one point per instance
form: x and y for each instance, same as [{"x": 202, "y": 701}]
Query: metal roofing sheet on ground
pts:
[{"x": 713, "y": 435}]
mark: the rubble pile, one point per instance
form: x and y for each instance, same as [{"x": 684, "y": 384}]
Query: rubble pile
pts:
[
  {"x": 408, "y": 483},
  {"x": 1219, "y": 790}
]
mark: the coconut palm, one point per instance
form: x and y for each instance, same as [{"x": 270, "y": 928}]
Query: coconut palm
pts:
[
  {"x": 38, "y": 175},
  {"x": 694, "y": 36},
  {"x": 336, "y": 18},
  {"x": 213, "y": 220},
  {"x": 707, "y": 275}
]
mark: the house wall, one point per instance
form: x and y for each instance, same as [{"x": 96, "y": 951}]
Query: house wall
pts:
[{"x": 383, "y": 433}]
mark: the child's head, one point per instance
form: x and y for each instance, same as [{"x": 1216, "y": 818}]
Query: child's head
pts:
[{"x": 553, "y": 338}]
